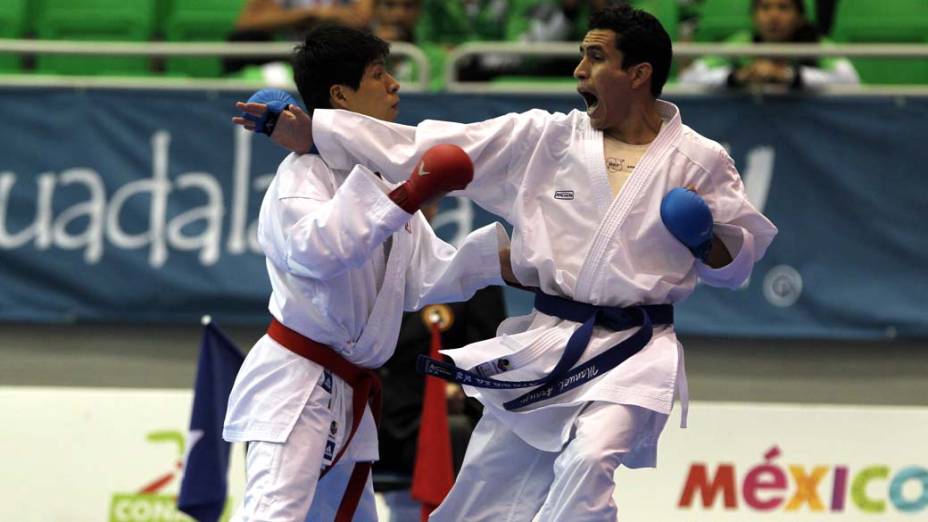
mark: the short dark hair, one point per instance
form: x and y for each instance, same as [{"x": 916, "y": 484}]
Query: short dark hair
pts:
[
  {"x": 333, "y": 55},
  {"x": 640, "y": 37},
  {"x": 800, "y": 6}
]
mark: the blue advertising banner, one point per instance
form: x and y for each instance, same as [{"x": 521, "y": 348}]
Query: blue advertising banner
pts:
[{"x": 142, "y": 206}]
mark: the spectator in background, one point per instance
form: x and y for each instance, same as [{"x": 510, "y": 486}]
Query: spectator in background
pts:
[
  {"x": 453, "y": 22},
  {"x": 269, "y": 20},
  {"x": 825, "y": 14},
  {"x": 548, "y": 21},
  {"x": 446, "y": 24},
  {"x": 463, "y": 323},
  {"x": 775, "y": 21},
  {"x": 395, "y": 20},
  {"x": 449, "y": 23},
  {"x": 297, "y": 16},
  {"x": 559, "y": 20}
]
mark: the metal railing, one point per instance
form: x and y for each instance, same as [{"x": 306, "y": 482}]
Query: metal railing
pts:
[
  {"x": 175, "y": 49},
  {"x": 686, "y": 50},
  {"x": 453, "y": 84}
]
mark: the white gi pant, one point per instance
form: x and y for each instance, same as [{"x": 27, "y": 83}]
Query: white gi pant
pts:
[
  {"x": 504, "y": 479},
  {"x": 283, "y": 483}
]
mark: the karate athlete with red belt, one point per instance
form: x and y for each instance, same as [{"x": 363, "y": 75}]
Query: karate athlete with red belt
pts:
[
  {"x": 617, "y": 211},
  {"x": 347, "y": 253}
]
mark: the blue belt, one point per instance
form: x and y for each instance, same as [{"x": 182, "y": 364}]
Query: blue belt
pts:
[{"x": 565, "y": 377}]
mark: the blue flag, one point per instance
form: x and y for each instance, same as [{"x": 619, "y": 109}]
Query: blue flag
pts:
[{"x": 204, "y": 485}]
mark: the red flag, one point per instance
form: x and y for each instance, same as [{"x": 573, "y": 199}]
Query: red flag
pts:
[{"x": 433, "y": 474}]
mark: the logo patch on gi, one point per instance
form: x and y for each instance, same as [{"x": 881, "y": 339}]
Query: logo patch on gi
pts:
[
  {"x": 491, "y": 368},
  {"x": 329, "y": 450},
  {"x": 333, "y": 429},
  {"x": 563, "y": 194},
  {"x": 485, "y": 369},
  {"x": 408, "y": 227},
  {"x": 327, "y": 381}
]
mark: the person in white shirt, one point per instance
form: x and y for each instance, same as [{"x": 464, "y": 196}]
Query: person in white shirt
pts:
[
  {"x": 608, "y": 250},
  {"x": 775, "y": 21},
  {"x": 347, "y": 253}
]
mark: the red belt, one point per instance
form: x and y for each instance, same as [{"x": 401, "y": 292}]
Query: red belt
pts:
[{"x": 365, "y": 386}]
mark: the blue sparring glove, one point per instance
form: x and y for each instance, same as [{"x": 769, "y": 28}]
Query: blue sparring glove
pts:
[
  {"x": 277, "y": 100},
  {"x": 688, "y": 218}
]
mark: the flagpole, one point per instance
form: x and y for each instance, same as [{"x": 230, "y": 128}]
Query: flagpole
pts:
[{"x": 433, "y": 472}]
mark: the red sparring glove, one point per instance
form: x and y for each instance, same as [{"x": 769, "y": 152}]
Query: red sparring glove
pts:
[{"x": 443, "y": 168}]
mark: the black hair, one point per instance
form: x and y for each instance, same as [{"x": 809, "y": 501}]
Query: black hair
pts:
[
  {"x": 800, "y": 6},
  {"x": 640, "y": 37},
  {"x": 333, "y": 55},
  {"x": 805, "y": 33}
]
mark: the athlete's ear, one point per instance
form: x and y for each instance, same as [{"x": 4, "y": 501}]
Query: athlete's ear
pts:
[
  {"x": 641, "y": 73},
  {"x": 337, "y": 97}
]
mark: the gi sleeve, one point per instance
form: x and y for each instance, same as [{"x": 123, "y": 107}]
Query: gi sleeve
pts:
[
  {"x": 321, "y": 239},
  {"x": 347, "y": 138},
  {"x": 439, "y": 273},
  {"x": 744, "y": 231}
]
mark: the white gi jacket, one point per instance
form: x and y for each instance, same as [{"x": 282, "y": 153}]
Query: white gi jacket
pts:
[
  {"x": 546, "y": 174},
  {"x": 323, "y": 232}
]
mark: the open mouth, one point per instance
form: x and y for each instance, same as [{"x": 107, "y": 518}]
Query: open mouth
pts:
[{"x": 590, "y": 99}]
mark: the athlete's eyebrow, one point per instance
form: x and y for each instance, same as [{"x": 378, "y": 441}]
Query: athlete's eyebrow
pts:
[{"x": 591, "y": 47}]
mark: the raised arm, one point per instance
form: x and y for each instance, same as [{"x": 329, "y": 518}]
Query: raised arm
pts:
[
  {"x": 311, "y": 234},
  {"x": 345, "y": 138},
  {"x": 325, "y": 237}
]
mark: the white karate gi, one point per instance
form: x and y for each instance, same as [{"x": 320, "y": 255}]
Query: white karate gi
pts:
[
  {"x": 546, "y": 174},
  {"x": 336, "y": 281}
]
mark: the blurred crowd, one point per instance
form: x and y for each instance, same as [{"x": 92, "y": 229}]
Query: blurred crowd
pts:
[{"x": 438, "y": 26}]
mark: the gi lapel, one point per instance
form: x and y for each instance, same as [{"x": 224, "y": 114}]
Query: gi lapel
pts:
[{"x": 620, "y": 207}]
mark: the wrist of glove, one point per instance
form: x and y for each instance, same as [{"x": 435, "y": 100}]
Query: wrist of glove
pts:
[
  {"x": 688, "y": 218},
  {"x": 407, "y": 199},
  {"x": 702, "y": 251},
  {"x": 277, "y": 101}
]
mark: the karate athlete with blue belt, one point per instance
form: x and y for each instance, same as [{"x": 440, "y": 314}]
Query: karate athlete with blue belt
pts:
[
  {"x": 617, "y": 211},
  {"x": 347, "y": 253}
]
